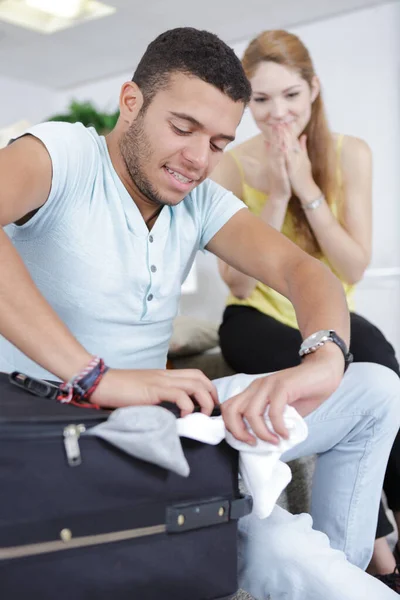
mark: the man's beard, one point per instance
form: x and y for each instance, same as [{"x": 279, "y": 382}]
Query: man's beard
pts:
[{"x": 136, "y": 152}]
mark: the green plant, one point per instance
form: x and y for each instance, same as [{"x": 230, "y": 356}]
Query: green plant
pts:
[{"x": 88, "y": 115}]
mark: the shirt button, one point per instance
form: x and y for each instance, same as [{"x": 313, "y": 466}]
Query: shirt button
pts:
[
  {"x": 153, "y": 268},
  {"x": 150, "y": 297},
  {"x": 151, "y": 239}
]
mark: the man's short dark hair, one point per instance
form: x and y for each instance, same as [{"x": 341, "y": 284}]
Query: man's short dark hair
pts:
[{"x": 195, "y": 53}]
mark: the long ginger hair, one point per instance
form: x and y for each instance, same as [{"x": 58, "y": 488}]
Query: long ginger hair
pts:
[{"x": 286, "y": 49}]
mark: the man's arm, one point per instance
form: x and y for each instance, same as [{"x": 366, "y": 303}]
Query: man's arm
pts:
[
  {"x": 26, "y": 319},
  {"x": 30, "y": 323},
  {"x": 258, "y": 250}
]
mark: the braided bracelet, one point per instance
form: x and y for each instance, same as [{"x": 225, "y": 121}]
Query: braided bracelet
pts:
[{"x": 80, "y": 388}]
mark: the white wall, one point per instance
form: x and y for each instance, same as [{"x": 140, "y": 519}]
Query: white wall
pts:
[
  {"x": 104, "y": 94},
  {"x": 19, "y": 100}
]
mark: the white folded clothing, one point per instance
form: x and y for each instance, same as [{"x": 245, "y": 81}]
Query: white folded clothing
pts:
[{"x": 264, "y": 475}]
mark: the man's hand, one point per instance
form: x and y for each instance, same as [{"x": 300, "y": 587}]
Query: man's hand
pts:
[
  {"x": 305, "y": 387},
  {"x": 183, "y": 387}
]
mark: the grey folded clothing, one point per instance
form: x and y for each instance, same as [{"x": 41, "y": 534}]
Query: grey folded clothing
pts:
[{"x": 145, "y": 432}]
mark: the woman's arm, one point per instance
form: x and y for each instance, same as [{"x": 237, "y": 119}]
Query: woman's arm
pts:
[
  {"x": 347, "y": 246},
  {"x": 227, "y": 174},
  {"x": 240, "y": 285},
  {"x": 256, "y": 248}
]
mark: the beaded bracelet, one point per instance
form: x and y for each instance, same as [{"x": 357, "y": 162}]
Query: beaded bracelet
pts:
[{"x": 80, "y": 388}]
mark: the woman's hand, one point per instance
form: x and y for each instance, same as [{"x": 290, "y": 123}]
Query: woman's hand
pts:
[
  {"x": 276, "y": 170},
  {"x": 299, "y": 167},
  {"x": 270, "y": 176}
]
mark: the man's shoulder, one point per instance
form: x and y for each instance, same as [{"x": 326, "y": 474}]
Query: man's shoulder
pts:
[
  {"x": 74, "y": 149},
  {"x": 198, "y": 203},
  {"x": 74, "y": 135},
  {"x": 207, "y": 190},
  {"x": 62, "y": 128},
  {"x": 76, "y": 159}
]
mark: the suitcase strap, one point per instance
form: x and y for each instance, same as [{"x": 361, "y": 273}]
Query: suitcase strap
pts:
[{"x": 194, "y": 515}]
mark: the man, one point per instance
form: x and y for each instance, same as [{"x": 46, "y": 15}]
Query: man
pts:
[{"x": 101, "y": 234}]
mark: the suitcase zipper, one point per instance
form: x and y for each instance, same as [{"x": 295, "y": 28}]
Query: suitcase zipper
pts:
[
  {"x": 68, "y": 542},
  {"x": 72, "y": 434}
]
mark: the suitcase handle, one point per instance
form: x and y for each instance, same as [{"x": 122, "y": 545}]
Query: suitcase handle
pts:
[{"x": 37, "y": 387}]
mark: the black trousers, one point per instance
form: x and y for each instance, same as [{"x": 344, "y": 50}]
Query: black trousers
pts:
[{"x": 252, "y": 342}]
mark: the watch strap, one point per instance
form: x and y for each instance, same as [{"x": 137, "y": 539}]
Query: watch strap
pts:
[
  {"x": 348, "y": 357},
  {"x": 330, "y": 336}
]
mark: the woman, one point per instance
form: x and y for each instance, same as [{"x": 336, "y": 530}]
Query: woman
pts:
[{"x": 315, "y": 187}]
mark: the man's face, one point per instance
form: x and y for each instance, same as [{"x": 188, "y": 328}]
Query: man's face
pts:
[{"x": 179, "y": 140}]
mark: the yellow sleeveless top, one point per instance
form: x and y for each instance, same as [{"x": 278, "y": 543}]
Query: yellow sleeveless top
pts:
[{"x": 263, "y": 298}]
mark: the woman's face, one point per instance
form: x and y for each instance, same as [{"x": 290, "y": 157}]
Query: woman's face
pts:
[{"x": 280, "y": 96}]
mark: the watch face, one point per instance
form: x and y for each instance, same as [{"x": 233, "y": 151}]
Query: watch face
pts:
[
  {"x": 316, "y": 338},
  {"x": 319, "y": 336}
]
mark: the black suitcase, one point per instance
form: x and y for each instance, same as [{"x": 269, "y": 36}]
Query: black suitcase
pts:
[{"x": 113, "y": 527}]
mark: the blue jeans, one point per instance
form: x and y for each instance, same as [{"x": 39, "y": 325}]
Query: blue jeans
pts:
[{"x": 352, "y": 433}]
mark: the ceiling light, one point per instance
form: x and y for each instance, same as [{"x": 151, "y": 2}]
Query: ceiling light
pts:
[
  {"x": 49, "y": 16},
  {"x": 66, "y": 9}
]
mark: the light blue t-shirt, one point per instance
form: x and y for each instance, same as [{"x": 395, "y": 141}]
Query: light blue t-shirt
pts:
[{"x": 114, "y": 283}]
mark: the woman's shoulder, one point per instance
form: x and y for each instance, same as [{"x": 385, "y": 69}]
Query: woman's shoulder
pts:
[
  {"x": 248, "y": 149},
  {"x": 229, "y": 172},
  {"x": 355, "y": 158},
  {"x": 351, "y": 147}
]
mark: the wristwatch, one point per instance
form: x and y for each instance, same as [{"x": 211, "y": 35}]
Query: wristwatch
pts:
[{"x": 318, "y": 339}]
